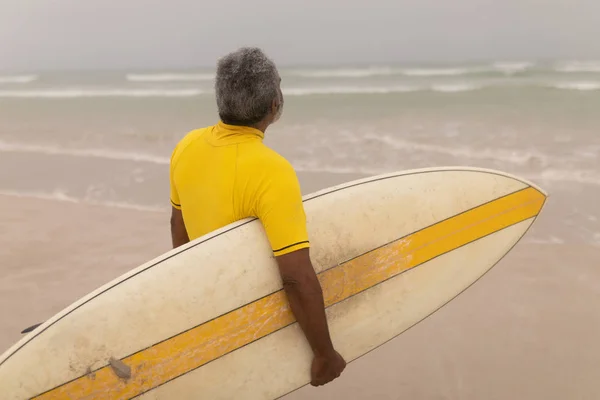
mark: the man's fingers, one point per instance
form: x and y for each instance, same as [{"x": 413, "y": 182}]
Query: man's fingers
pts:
[
  {"x": 320, "y": 381},
  {"x": 323, "y": 380}
]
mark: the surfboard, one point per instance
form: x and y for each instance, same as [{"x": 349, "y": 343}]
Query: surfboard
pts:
[{"x": 209, "y": 320}]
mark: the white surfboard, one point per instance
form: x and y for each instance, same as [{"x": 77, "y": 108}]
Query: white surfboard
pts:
[{"x": 209, "y": 320}]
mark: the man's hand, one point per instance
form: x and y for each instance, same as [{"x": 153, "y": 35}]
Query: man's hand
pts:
[
  {"x": 326, "y": 368},
  {"x": 305, "y": 297}
]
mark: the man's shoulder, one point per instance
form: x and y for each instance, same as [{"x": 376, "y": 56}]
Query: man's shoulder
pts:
[
  {"x": 265, "y": 157},
  {"x": 192, "y": 136},
  {"x": 187, "y": 140}
]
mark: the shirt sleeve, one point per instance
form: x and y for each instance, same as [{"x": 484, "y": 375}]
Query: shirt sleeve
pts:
[
  {"x": 281, "y": 210},
  {"x": 175, "y": 201}
]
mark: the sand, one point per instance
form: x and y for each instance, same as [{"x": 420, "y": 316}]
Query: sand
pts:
[
  {"x": 54, "y": 253},
  {"x": 527, "y": 330}
]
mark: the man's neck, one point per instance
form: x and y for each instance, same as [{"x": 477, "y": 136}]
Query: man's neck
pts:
[{"x": 261, "y": 126}]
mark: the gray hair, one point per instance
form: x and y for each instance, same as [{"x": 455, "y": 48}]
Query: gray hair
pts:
[{"x": 246, "y": 84}]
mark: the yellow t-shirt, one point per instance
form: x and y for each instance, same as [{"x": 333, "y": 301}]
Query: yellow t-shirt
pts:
[{"x": 225, "y": 173}]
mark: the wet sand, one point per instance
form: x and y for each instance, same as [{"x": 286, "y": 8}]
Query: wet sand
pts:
[{"x": 527, "y": 330}]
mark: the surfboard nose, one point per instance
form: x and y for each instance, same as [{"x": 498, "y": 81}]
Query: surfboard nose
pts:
[
  {"x": 537, "y": 195},
  {"x": 538, "y": 198}
]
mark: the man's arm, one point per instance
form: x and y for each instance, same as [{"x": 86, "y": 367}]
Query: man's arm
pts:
[
  {"x": 179, "y": 234},
  {"x": 305, "y": 297},
  {"x": 280, "y": 208}
]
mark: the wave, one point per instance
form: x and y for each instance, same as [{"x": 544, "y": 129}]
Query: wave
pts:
[
  {"x": 344, "y": 72},
  {"x": 519, "y": 158},
  {"x": 182, "y": 93},
  {"x": 18, "y": 78},
  {"x": 582, "y": 86},
  {"x": 443, "y": 88},
  {"x": 170, "y": 77},
  {"x": 587, "y": 177},
  {"x": 58, "y": 194},
  {"x": 86, "y": 153},
  {"x": 456, "y": 87},
  {"x": 579, "y": 66},
  {"x": 439, "y": 71},
  {"x": 380, "y": 71},
  {"x": 82, "y": 93},
  {"x": 449, "y": 87},
  {"x": 348, "y": 90},
  {"x": 61, "y": 195},
  {"x": 590, "y": 177},
  {"x": 549, "y": 240},
  {"x": 507, "y": 68},
  {"x": 316, "y": 167},
  {"x": 504, "y": 155},
  {"x": 510, "y": 68}
]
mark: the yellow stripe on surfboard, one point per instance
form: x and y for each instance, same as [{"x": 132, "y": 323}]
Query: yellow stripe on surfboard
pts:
[{"x": 198, "y": 346}]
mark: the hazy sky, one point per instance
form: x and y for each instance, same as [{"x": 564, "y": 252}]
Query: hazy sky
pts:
[{"x": 58, "y": 34}]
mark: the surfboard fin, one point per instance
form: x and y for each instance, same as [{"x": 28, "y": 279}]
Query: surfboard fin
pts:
[
  {"x": 120, "y": 369},
  {"x": 32, "y": 327}
]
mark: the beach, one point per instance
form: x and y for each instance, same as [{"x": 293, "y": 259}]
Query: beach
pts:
[
  {"x": 84, "y": 199},
  {"x": 526, "y": 330}
]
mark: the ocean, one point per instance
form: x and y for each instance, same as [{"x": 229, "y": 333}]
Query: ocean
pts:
[{"x": 106, "y": 137}]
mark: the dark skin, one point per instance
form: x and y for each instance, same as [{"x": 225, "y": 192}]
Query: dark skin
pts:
[
  {"x": 301, "y": 285},
  {"x": 179, "y": 235}
]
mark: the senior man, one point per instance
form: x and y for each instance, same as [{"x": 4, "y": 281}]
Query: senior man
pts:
[{"x": 224, "y": 173}]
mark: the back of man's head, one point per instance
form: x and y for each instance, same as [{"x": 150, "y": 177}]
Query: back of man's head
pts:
[{"x": 246, "y": 84}]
